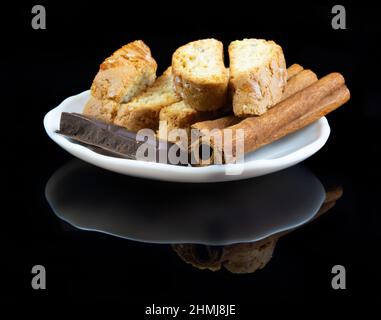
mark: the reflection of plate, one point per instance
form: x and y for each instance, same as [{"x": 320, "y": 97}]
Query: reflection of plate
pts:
[
  {"x": 216, "y": 214},
  {"x": 281, "y": 154}
]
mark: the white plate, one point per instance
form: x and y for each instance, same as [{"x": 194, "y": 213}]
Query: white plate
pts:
[{"x": 276, "y": 156}]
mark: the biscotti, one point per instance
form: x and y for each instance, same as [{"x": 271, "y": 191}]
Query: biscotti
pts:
[
  {"x": 120, "y": 77},
  {"x": 181, "y": 116},
  {"x": 143, "y": 110},
  {"x": 126, "y": 73},
  {"x": 257, "y": 75},
  {"x": 176, "y": 116},
  {"x": 297, "y": 80},
  {"x": 102, "y": 109},
  {"x": 200, "y": 76}
]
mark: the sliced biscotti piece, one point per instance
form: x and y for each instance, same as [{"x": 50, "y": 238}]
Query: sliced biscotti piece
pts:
[
  {"x": 120, "y": 77},
  {"x": 180, "y": 115},
  {"x": 257, "y": 75},
  {"x": 200, "y": 76},
  {"x": 126, "y": 73},
  {"x": 143, "y": 110},
  {"x": 104, "y": 110}
]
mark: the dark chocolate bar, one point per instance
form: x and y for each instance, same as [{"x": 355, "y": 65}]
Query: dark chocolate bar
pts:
[{"x": 109, "y": 139}]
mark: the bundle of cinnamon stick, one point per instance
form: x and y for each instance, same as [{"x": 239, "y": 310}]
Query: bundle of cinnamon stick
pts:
[{"x": 305, "y": 100}]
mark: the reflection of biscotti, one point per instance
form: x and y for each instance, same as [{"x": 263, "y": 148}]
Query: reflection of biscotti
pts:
[
  {"x": 143, "y": 110},
  {"x": 201, "y": 78},
  {"x": 248, "y": 257},
  {"x": 257, "y": 75},
  {"x": 244, "y": 257},
  {"x": 120, "y": 77},
  {"x": 181, "y": 116},
  {"x": 237, "y": 258},
  {"x": 200, "y": 256}
]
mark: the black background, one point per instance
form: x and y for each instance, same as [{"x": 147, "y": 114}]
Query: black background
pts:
[{"x": 40, "y": 68}]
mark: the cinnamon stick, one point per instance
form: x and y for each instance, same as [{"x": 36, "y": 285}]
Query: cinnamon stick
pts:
[
  {"x": 298, "y": 82},
  {"x": 294, "y": 70},
  {"x": 219, "y": 123},
  {"x": 290, "y": 115},
  {"x": 295, "y": 83},
  {"x": 325, "y": 106}
]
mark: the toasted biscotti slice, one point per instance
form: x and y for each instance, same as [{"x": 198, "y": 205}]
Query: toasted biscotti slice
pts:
[
  {"x": 180, "y": 115},
  {"x": 257, "y": 75},
  {"x": 143, "y": 110},
  {"x": 201, "y": 78},
  {"x": 126, "y": 73},
  {"x": 104, "y": 110},
  {"x": 120, "y": 77}
]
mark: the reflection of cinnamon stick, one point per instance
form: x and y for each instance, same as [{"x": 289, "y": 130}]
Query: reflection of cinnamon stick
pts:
[
  {"x": 290, "y": 115},
  {"x": 243, "y": 257},
  {"x": 332, "y": 195},
  {"x": 298, "y": 79}
]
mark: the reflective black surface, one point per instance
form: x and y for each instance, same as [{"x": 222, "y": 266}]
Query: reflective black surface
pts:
[
  {"x": 93, "y": 199},
  {"x": 239, "y": 235}
]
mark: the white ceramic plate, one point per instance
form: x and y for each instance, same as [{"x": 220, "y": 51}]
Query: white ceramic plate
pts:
[{"x": 276, "y": 156}]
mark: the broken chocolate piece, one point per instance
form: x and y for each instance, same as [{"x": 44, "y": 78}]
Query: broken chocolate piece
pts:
[{"x": 109, "y": 139}]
